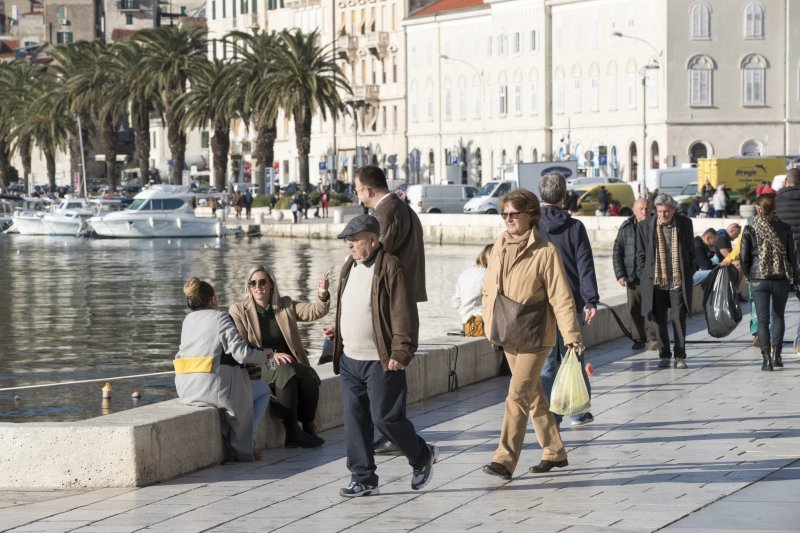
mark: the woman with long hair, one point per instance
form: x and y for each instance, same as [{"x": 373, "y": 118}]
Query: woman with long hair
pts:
[
  {"x": 210, "y": 367},
  {"x": 266, "y": 317},
  {"x": 769, "y": 261}
]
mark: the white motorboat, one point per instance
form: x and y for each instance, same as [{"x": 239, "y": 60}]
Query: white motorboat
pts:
[
  {"x": 159, "y": 211},
  {"x": 68, "y": 218},
  {"x": 27, "y": 218}
]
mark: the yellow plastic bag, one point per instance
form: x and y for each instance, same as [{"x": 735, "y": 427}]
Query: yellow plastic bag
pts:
[{"x": 570, "y": 396}]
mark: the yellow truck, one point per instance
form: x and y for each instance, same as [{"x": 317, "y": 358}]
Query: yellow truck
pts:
[{"x": 739, "y": 172}]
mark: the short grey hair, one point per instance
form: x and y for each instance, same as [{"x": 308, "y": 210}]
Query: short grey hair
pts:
[
  {"x": 553, "y": 187},
  {"x": 666, "y": 200}
]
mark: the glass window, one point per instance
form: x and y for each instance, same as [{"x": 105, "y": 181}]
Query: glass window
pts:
[
  {"x": 700, "y": 17},
  {"x": 700, "y": 81},
  {"x": 204, "y": 139},
  {"x": 413, "y": 97},
  {"x": 476, "y": 96},
  {"x": 576, "y": 95},
  {"x": 753, "y": 74},
  {"x": 594, "y": 93},
  {"x": 64, "y": 37},
  {"x": 533, "y": 41},
  {"x": 128, "y": 19},
  {"x": 517, "y": 42},
  {"x": 612, "y": 92},
  {"x": 62, "y": 13},
  {"x": 754, "y": 21},
  {"x": 632, "y": 90},
  {"x": 502, "y": 99},
  {"x": 448, "y": 100},
  {"x": 213, "y": 10}
]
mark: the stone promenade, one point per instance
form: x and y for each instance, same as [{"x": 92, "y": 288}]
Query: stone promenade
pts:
[{"x": 714, "y": 447}]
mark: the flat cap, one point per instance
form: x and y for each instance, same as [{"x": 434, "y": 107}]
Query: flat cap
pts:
[{"x": 361, "y": 223}]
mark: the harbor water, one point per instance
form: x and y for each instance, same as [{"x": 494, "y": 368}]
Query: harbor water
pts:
[{"x": 77, "y": 309}]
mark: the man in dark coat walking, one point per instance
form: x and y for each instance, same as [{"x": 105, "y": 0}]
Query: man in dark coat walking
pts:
[
  {"x": 624, "y": 258},
  {"x": 787, "y": 204},
  {"x": 665, "y": 265}
]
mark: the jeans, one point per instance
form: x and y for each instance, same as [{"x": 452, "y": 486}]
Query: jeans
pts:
[
  {"x": 260, "y": 401},
  {"x": 770, "y": 295},
  {"x": 550, "y": 369}
]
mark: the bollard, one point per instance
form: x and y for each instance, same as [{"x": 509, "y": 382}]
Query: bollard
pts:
[
  {"x": 259, "y": 218},
  {"x": 338, "y": 216},
  {"x": 107, "y": 391}
]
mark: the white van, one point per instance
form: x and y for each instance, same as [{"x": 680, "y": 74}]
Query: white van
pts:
[
  {"x": 439, "y": 198},
  {"x": 669, "y": 180}
]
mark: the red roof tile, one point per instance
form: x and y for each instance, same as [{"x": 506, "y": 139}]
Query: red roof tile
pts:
[{"x": 443, "y": 6}]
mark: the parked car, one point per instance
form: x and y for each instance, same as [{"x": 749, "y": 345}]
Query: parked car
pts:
[
  {"x": 439, "y": 198},
  {"x": 619, "y": 192}
]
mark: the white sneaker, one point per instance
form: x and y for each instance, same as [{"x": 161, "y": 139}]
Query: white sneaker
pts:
[
  {"x": 423, "y": 476},
  {"x": 355, "y": 489}
]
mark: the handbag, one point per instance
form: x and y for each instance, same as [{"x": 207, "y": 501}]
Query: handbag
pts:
[
  {"x": 473, "y": 327},
  {"x": 517, "y": 326}
]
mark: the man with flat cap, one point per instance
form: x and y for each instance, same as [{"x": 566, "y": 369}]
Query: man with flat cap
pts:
[{"x": 375, "y": 341}]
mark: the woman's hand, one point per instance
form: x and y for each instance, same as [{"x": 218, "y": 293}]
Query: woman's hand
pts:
[
  {"x": 322, "y": 286},
  {"x": 577, "y": 346},
  {"x": 329, "y": 332},
  {"x": 282, "y": 358}
]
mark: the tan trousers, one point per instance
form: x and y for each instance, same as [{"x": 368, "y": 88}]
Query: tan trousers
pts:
[{"x": 526, "y": 396}]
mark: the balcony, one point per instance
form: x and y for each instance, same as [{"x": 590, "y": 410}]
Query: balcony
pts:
[
  {"x": 127, "y": 6},
  {"x": 366, "y": 93},
  {"x": 377, "y": 43},
  {"x": 346, "y": 47}
]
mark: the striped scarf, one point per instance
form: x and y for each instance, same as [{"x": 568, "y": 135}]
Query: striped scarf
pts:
[
  {"x": 660, "y": 274},
  {"x": 772, "y": 257}
]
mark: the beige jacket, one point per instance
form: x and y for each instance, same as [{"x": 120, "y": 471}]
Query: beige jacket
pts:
[
  {"x": 287, "y": 314},
  {"x": 536, "y": 274}
]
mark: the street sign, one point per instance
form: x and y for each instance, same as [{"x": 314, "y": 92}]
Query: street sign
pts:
[
  {"x": 323, "y": 166},
  {"x": 453, "y": 159},
  {"x": 602, "y": 160}
]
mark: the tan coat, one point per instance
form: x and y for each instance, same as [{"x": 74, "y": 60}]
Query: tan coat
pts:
[
  {"x": 536, "y": 274},
  {"x": 287, "y": 314}
]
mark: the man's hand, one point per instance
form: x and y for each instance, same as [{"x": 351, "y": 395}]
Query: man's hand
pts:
[
  {"x": 622, "y": 282},
  {"x": 589, "y": 314},
  {"x": 396, "y": 365}
]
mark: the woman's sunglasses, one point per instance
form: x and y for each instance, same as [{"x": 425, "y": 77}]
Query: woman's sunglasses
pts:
[{"x": 260, "y": 283}]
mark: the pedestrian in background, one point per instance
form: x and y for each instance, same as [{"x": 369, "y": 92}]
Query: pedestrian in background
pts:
[
  {"x": 787, "y": 205},
  {"x": 529, "y": 270},
  {"x": 769, "y": 260},
  {"x": 624, "y": 259},
  {"x": 665, "y": 264},
  {"x": 400, "y": 235},
  {"x": 469, "y": 293},
  {"x": 375, "y": 341},
  {"x": 720, "y": 201},
  {"x": 705, "y": 255},
  {"x": 248, "y": 203},
  {"x": 569, "y": 237}
]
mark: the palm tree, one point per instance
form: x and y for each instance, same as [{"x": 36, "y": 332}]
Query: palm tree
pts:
[
  {"x": 6, "y": 124},
  {"x": 306, "y": 81},
  {"x": 217, "y": 99},
  {"x": 20, "y": 81},
  {"x": 254, "y": 68},
  {"x": 171, "y": 57}
]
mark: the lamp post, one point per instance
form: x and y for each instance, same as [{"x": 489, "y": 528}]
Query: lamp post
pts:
[{"x": 652, "y": 65}]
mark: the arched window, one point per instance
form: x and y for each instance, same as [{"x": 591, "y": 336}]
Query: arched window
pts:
[
  {"x": 502, "y": 94},
  {"x": 633, "y": 161},
  {"x": 701, "y": 86},
  {"x": 631, "y": 82},
  {"x": 754, "y": 21},
  {"x": 751, "y": 148},
  {"x": 448, "y": 100},
  {"x": 697, "y": 151},
  {"x": 462, "y": 97},
  {"x": 517, "y": 92},
  {"x": 611, "y": 86},
  {"x": 429, "y": 100},
  {"x": 594, "y": 88},
  {"x": 533, "y": 82},
  {"x": 558, "y": 91},
  {"x": 477, "y": 165},
  {"x": 476, "y": 96},
  {"x": 700, "y": 19},
  {"x": 503, "y": 157},
  {"x": 519, "y": 154},
  {"x": 654, "y": 155},
  {"x": 535, "y": 156},
  {"x": 576, "y": 88},
  {"x": 413, "y": 96},
  {"x": 754, "y": 69}
]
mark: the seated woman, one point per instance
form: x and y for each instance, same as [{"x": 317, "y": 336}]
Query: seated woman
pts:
[
  {"x": 265, "y": 317},
  {"x": 469, "y": 293},
  {"x": 219, "y": 379}
]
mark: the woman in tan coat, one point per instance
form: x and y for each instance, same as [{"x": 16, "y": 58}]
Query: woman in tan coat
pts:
[
  {"x": 532, "y": 272},
  {"x": 265, "y": 318}
]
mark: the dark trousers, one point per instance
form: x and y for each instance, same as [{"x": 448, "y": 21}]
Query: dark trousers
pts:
[
  {"x": 374, "y": 398},
  {"x": 663, "y": 300},
  {"x": 770, "y": 294},
  {"x": 642, "y": 329},
  {"x": 297, "y": 400}
]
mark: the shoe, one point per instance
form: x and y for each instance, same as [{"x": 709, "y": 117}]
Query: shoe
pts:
[
  {"x": 496, "y": 469},
  {"x": 767, "y": 362},
  {"x": 297, "y": 438},
  {"x": 652, "y": 345},
  {"x": 384, "y": 446},
  {"x": 777, "y": 360},
  {"x": 585, "y": 418},
  {"x": 421, "y": 477},
  {"x": 638, "y": 345},
  {"x": 755, "y": 341},
  {"x": 354, "y": 490},
  {"x": 663, "y": 363},
  {"x": 311, "y": 429},
  {"x": 681, "y": 364},
  {"x": 546, "y": 466},
  {"x": 257, "y": 454}
]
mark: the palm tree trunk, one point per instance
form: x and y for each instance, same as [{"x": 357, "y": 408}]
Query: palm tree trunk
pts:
[
  {"x": 140, "y": 116},
  {"x": 5, "y": 163},
  {"x": 50, "y": 160},
  {"x": 265, "y": 150},
  {"x": 25, "y": 154},
  {"x": 302, "y": 131},
  {"x": 108, "y": 132},
  {"x": 176, "y": 138},
  {"x": 220, "y": 146}
]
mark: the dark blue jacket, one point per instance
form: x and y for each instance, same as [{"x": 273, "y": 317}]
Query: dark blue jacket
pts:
[{"x": 570, "y": 237}]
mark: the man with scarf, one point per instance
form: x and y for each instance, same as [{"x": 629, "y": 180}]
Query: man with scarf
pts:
[{"x": 664, "y": 266}]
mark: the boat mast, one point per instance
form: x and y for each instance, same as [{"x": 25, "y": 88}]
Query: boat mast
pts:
[{"x": 83, "y": 156}]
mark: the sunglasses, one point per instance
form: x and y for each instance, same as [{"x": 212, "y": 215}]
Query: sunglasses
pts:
[
  {"x": 260, "y": 283},
  {"x": 511, "y": 214}
]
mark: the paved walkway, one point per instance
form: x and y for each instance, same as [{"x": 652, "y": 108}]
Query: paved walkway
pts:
[{"x": 714, "y": 447}]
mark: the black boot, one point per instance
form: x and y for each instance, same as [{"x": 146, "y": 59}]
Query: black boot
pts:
[
  {"x": 297, "y": 438},
  {"x": 767, "y": 364},
  {"x": 311, "y": 429},
  {"x": 776, "y": 357}
]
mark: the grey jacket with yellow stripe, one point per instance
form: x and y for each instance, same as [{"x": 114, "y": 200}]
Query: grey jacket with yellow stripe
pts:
[{"x": 202, "y": 380}]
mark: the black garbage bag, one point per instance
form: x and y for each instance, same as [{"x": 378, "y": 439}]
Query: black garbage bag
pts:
[{"x": 721, "y": 301}]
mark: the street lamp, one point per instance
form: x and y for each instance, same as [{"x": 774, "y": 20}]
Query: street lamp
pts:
[{"x": 652, "y": 65}]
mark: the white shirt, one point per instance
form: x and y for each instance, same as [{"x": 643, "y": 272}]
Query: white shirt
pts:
[
  {"x": 358, "y": 335},
  {"x": 469, "y": 292}
]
